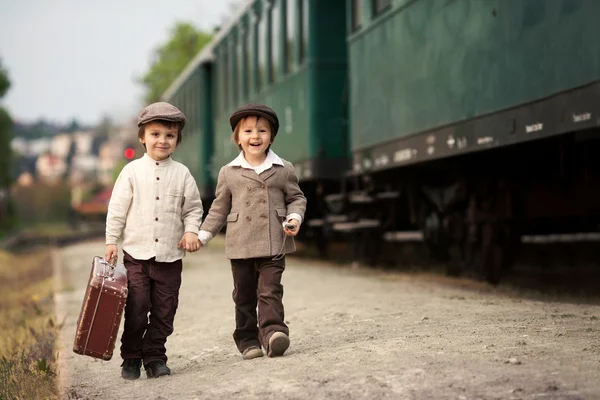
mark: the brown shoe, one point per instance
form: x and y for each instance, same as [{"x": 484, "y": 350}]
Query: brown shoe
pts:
[
  {"x": 278, "y": 344},
  {"x": 252, "y": 352}
]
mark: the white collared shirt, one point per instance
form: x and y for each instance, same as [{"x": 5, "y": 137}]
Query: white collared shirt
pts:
[
  {"x": 240, "y": 161},
  {"x": 152, "y": 204},
  {"x": 272, "y": 158}
]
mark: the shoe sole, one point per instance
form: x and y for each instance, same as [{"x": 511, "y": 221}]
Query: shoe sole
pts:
[
  {"x": 253, "y": 354},
  {"x": 278, "y": 344},
  {"x": 130, "y": 378},
  {"x": 150, "y": 376}
]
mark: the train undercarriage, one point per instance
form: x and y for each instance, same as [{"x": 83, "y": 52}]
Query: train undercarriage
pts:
[{"x": 472, "y": 210}]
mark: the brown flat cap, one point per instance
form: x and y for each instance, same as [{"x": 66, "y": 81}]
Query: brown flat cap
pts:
[
  {"x": 257, "y": 110},
  {"x": 161, "y": 110}
]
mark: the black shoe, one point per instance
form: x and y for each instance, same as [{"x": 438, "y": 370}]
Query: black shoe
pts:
[
  {"x": 131, "y": 368},
  {"x": 156, "y": 369}
]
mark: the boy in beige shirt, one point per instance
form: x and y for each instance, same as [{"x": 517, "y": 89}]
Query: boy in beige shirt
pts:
[{"x": 156, "y": 208}]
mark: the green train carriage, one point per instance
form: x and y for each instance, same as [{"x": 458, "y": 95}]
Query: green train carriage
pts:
[
  {"x": 290, "y": 55},
  {"x": 474, "y": 121}
]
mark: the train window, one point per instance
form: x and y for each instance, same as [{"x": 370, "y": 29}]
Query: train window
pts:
[
  {"x": 303, "y": 37},
  {"x": 225, "y": 78},
  {"x": 233, "y": 65},
  {"x": 380, "y": 6},
  {"x": 290, "y": 25},
  {"x": 275, "y": 39},
  {"x": 262, "y": 52},
  {"x": 356, "y": 14},
  {"x": 242, "y": 50},
  {"x": 218, "y": 82}
]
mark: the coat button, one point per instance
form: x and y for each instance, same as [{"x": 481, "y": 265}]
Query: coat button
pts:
[
  {"x": 247, "y": 203},
  {"x": 248, "y": 188},
  {"x": 263, "y": 216},
  {"x": 263, "y": 186},
  {"x": 248, "y": 218}
]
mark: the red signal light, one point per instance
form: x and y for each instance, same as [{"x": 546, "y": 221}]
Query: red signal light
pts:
[{"x": 129, "y": 153}]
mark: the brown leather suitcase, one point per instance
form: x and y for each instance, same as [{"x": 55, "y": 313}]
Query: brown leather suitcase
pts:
[{"x": 102, "y": 309}]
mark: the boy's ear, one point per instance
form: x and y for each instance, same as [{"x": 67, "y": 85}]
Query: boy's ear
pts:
[{"x": 141, "y": 140}]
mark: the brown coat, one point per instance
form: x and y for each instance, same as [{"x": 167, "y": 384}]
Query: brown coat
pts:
[{"x": 254, "y": 206}]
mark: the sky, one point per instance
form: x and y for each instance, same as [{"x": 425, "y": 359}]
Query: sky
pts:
[{"x": 80, "y": 58}]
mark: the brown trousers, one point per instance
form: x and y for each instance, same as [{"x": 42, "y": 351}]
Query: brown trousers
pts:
[
  {"x": 154, "y": 289},
  {"x": 257, "y": 282}
]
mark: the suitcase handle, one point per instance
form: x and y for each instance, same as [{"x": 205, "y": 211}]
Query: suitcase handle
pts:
[{"x": 111, "y": 269}]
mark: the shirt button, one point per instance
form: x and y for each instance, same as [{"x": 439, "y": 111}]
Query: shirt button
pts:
[
  {"x": 157, "y": 164},
  {"x": 156, "y": 219},
  {"x": 157, "y": 178},
  {"x": 157, "y": 197},
  {"x": 156, "y": 240},
  {"x": 248, "y": 218}
]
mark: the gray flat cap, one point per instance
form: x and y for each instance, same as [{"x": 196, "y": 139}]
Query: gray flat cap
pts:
[
  {"x": 161, "y": 110},
  {"x": 258, "y": 110}
]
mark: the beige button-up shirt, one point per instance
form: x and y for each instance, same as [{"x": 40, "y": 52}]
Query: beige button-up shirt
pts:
[{"x": 152, "y": 204}]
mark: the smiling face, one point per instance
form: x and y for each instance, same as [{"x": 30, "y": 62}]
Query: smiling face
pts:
[
  {"x": 253, "y": 136},
  {"x": 160, "y": 140}
]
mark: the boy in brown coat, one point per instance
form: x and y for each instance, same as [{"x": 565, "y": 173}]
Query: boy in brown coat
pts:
[{"x": 258, "y": 196}]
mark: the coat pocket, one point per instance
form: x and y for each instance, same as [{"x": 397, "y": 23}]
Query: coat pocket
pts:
[
  {"x": 280, "y": 213},
  {"x": 232, "y": 217}
]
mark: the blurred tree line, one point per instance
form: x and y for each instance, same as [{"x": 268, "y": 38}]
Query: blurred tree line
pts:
[
  {"x": 171, "y": 58},
  {"x": 6, "y": 134}
]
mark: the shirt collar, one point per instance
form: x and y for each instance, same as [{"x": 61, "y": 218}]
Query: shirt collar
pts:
[
  {"x": 152, "y": 161},
  {"x": 272, "y": 159}
]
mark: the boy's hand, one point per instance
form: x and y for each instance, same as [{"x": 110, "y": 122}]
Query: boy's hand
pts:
[
  {"x": 292, "y": 232},
  {"x": 111, "y": 253},
  {"x": 189, "y": 242}
]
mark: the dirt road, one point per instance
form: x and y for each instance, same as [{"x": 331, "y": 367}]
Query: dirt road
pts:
[{"x": 356, "y": 334}]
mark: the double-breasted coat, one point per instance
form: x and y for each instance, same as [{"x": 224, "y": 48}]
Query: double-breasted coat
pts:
[{"x": 254, "y": 207}]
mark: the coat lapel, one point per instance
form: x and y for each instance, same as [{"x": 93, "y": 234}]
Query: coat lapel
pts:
[
  {"x": 249, "y": 173},
  {"x": 268, "y": 173}
]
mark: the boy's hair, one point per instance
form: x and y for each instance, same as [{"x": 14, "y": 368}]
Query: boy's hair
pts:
[
  {"x": 236, "y": 131},
  {"x": 164, "y": 123}
]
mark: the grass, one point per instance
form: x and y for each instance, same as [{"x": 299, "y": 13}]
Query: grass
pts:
[
  {"x": 28, "y": 331},
  {"x": 47, "y": 229}
]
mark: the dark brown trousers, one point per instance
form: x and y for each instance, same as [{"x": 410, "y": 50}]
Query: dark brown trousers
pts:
[
  {"x": 153, "y": 289},
  {"x": 257, "y": 282}
]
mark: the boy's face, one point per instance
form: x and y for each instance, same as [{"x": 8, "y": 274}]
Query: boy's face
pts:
[
  {"x": 160, "y": 141},
  {"x": 254, "y": 136}
]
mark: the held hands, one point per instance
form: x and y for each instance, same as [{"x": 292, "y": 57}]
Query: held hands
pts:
[
  {"x": 287, "y": 226},
  {"x": 111, "y": 253},
  {"x": 189, "y": 242}
]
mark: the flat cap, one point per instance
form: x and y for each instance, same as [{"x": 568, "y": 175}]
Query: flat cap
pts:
[
  {"x": 163, "y": 111},
  {"x": 257, "y": 110}
]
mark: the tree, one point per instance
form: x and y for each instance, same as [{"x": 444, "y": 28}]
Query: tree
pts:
[
  {"x": 171, "y": 58},
  {"x": 6, "y": 209}
]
